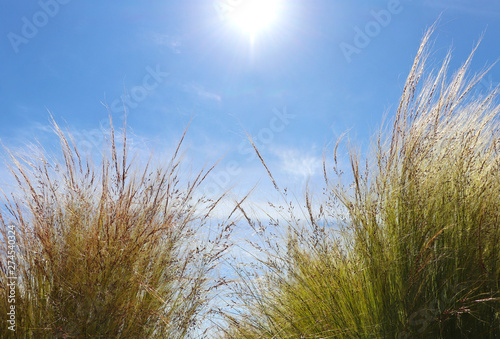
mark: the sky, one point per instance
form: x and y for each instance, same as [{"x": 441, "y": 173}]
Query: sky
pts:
[{"x": 317, "y": 69}]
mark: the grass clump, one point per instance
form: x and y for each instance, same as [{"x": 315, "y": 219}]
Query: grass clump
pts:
[
  {"x": 108, "y": 251},
  {"x": 410, "y": 247}
]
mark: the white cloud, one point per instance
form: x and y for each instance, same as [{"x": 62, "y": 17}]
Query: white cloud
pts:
[
  {"x": 298, "y": 163},
  {"x": 203, "y": 93},
  {"x": 174, "y": 43}
]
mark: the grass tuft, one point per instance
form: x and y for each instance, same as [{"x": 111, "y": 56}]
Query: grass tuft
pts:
[
  {"x": 112, "y": 250},
  {"x": 410, "y": 247}
]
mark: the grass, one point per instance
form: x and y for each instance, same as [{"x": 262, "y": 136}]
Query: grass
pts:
[
  {"x": 404, "y": 244},
  {"x": 106, "y": 251},
  {"x": 409, "y": 247}
]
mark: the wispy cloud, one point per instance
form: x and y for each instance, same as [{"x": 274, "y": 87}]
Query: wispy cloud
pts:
[
  {"x": 203, "y": 93},
  {"x": 476, "y": 7},
  {"x": 174, "y": 43},
  {"x": 298, "y": 163}
]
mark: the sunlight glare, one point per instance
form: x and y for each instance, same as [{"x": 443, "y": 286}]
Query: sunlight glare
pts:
[{"x": 253, "y": 16}]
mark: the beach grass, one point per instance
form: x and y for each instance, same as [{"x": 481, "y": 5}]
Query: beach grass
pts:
[
  {"x": 403, "y": 242},
  {"x": 107, "y": 250},
  {"x": 406, "y": 241}
]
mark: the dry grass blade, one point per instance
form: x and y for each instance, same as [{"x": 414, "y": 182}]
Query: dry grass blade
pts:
[{"x": 107, "y": 251}]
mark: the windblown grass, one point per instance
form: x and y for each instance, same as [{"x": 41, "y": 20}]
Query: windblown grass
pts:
[
  {"x": 108, "y": 251},
  {"x": 410, "y": 248}
]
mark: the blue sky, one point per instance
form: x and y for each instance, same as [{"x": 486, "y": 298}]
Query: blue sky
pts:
[{"x": 295, "y": 87}]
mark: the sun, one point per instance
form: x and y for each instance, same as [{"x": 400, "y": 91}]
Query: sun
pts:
[{"x": 254, "y": 16}]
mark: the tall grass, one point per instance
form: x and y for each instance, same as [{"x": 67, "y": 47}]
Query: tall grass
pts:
[
  {"x": 410, "y": 246},
  {"x": 110, "y": 250}
]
